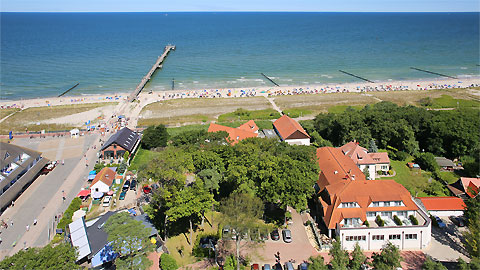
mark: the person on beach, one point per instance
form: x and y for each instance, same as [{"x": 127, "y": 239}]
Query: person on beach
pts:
[
  {"x": 34, "y": 222},
  {"x": 28, "y": 228}
]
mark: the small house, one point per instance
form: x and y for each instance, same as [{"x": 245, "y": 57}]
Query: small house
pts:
[
  {"x": 290, "y": 131},
  {"x": 103, "y": 180},
  {"x": 443, "y": 206},
  {"x": 445, "y": 164},
  {"x": 465, "y": 187}
]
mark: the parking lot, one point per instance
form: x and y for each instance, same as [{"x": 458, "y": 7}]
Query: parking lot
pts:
[{"x": 446, "y": 242}]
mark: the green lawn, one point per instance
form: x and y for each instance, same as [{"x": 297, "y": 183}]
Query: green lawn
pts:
[
  {"x": 446, "y": 101},
  {"x": 342, "y": 108},
  {"x": 262, "y": 124},
  {"x": 141, "y": 157},
  {"x": 242, "y": 114},
  {"x": 449, "y": 177},
  {"x": 174, "y": 131},
  {"x": 5, "y": 112},
  {"x": 414, "y": 181},
  {"x": 297, "y": 112}
]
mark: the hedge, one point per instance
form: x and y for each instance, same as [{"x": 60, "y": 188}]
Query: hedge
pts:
[
  {"x": 397, "y": 220},
  {"x": 167, "y": 262},
  {"x": 380, "y": 221},
  {"x": 413, "y": 219},
  {"x": 67, "y": 216}
]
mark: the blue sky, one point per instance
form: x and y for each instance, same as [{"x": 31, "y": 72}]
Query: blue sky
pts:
[{"x": 239, "y": 5}]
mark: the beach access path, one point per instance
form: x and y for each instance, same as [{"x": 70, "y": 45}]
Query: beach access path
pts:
[{"x": 43, "y": 199}]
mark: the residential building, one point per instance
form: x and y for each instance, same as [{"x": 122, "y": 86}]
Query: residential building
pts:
[
  {"x": 347, "y": 202},
  {"x": 465, "y": 187},
  {"x": 371, "y": 162},
  {"x": 103, "y": 180},
  {"x": 119, "y": 143},
  {"x": 445, "y": 164},
  {"x": 443, "y": 206},
  {"x": 19, "y": 167},
  {"x": 247, "y": 130},
  {"x": 291, "y": 131}
]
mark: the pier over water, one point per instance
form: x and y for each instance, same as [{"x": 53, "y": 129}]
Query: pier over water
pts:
[{"x": 158, "y": 64}]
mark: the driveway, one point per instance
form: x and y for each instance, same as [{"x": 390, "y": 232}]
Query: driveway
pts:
[
  {"x": 446, "y": 243},
  {"x": 299, "y": 249}
]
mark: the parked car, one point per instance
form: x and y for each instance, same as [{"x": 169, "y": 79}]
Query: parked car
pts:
[
  {"x": 287, "y": 235},
  {"x": 106, "y": 201},
  {"x": 457, "y": 221},
  {"x": 440, "y": 222},
  {"x": 278, "y": 266},
  {"x": 146, "y": 189},
  {"x": 133, "y": 185},
  {"x": 126, "y": 185},
  {"x": 303, "y": 266},
  {"x": 208, "y": 242},
  {"x": 264, "y": 235},
  {"x": 266, "y": 267},
  {"x": 289, "y": 266},
  {"x": 122, "y": 195},
  {"x": 275, "y": 235},
  {"x": 255, "y": 266}
]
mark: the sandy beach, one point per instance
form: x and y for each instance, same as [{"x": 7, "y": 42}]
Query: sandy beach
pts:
[{"x": 147, "y": 97}]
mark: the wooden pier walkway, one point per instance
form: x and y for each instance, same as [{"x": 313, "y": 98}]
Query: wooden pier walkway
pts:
[{"x": 158, "y": 64}]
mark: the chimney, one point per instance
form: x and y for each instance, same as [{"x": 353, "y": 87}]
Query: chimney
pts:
[
  {"x": 353, "y": 177},
  {"x": 335, "y": 172}
]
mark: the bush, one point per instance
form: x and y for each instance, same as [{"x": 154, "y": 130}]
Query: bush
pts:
[
  {"x": 413, "y": 219},
  {"x": 67, "y": 216},
  {"x": 397, "y": 220},
  {"x": 366, "y": 223},
  {"x": 379, "y": 221},
  {"x": 400, "y": 155},
  {"x": 155, "y": 136},
  {"x": 390, "y": 172},
  {"x": 427, "y": 161},
  {"x": 167, "y": 262}
]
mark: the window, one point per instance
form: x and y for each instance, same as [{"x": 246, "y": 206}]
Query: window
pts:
[
  {"x": 402, "y": 213},
  {"x": 412, "y": 236},
  {"x": 356, "y": 238},
  {"x": 394, "y": 237},
  {"x": 371, "y": 214},
  {"x": 397, "y": 203},
  {"x": 349, "y": 205},
  {"x": 376, "y": 204},
  {"x": 378, "y": 237},
  {"x": 387, "y": 214},
  {"x": 386, "y": 204}
]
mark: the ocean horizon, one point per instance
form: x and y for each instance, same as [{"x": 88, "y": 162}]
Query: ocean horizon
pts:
[{"x": 44, "y": 54}]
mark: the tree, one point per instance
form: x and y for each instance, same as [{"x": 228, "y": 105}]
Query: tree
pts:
[
  {"x": 130, "y": 239},
  {"x": 372, "y": 147},
  {"x": 430, "y": 264},
  {"x": 358, "y": 258},
  {"x": 231, "y": 263},
  {"x": 241, "y": 212},
  {"x": 388, "y": 259},
  {"x": 427, "y": 161},
  {"x": 155, "y": 136},
  {"x": 62, "y": 256},
  {"x": 188, "y": 202},
  {"x": 472, "y": 234},
  {"x": 366, "y": 172},
  {"x": 340, "y": 258},
  {"x": 317, "y": 263},
  {"x": 167, "y": 262},
  {"x": 211, "y": 177}
]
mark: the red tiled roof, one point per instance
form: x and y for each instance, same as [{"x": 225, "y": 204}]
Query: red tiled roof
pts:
[
  {"x": 289, "y": 128},
  {"x": 443, "y": 203},
  {"x": 358, "y": 154},
  {"x": 335, "y": 166},
  {"x": 106, "y": 175},
  {"x": 249, "y": 126},
  {"x": 83, "y": 193},
  {"x": 234, "y": 134}
]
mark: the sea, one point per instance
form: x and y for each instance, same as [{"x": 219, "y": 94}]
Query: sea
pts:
[{"x": 44, "y": 54}]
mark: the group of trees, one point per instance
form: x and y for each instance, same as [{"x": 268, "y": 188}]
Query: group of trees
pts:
[
  {"x": 272, "y": 171},
  {"x": 408, "y": 128}
]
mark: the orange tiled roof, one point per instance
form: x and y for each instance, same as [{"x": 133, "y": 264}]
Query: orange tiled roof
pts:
[
  {"x": 289, "y": 128},
  {"x": 249, "y": 126},
  {"x": 358, "y": 154},
  {"x": 443, "y": 203},
  {"x": 336, "y": 177},
  {"x": 234, "y": 134},
  {"x": 470, "y": 185},
  {"x": 106, "y": 175},
  {"x": 380, "y": 157}
]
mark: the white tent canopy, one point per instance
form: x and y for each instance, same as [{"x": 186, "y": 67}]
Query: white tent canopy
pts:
[{"x": 74, "y": 133}]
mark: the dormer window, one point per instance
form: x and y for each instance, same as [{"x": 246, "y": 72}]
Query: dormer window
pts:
[
  {"x": 376, "y": 204},
  {"x": 349, "y": 205}
]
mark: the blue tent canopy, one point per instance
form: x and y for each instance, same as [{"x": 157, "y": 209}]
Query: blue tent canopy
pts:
[
  {"x": 92, "y": 172},
  {"x": 91, "y": 176}
]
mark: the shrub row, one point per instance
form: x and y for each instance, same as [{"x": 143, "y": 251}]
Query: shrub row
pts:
[
  {"x": 67, "y": 216},
  {"x": 380, "y": 221}
]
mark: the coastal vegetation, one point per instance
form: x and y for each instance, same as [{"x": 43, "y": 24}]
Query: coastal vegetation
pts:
[{"x": 34, "y": 118}]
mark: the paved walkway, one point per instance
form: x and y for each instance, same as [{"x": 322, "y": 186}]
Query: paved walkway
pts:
[
  {"x": 274, "y": 105},
  {"x": 43, "y": 200}
]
